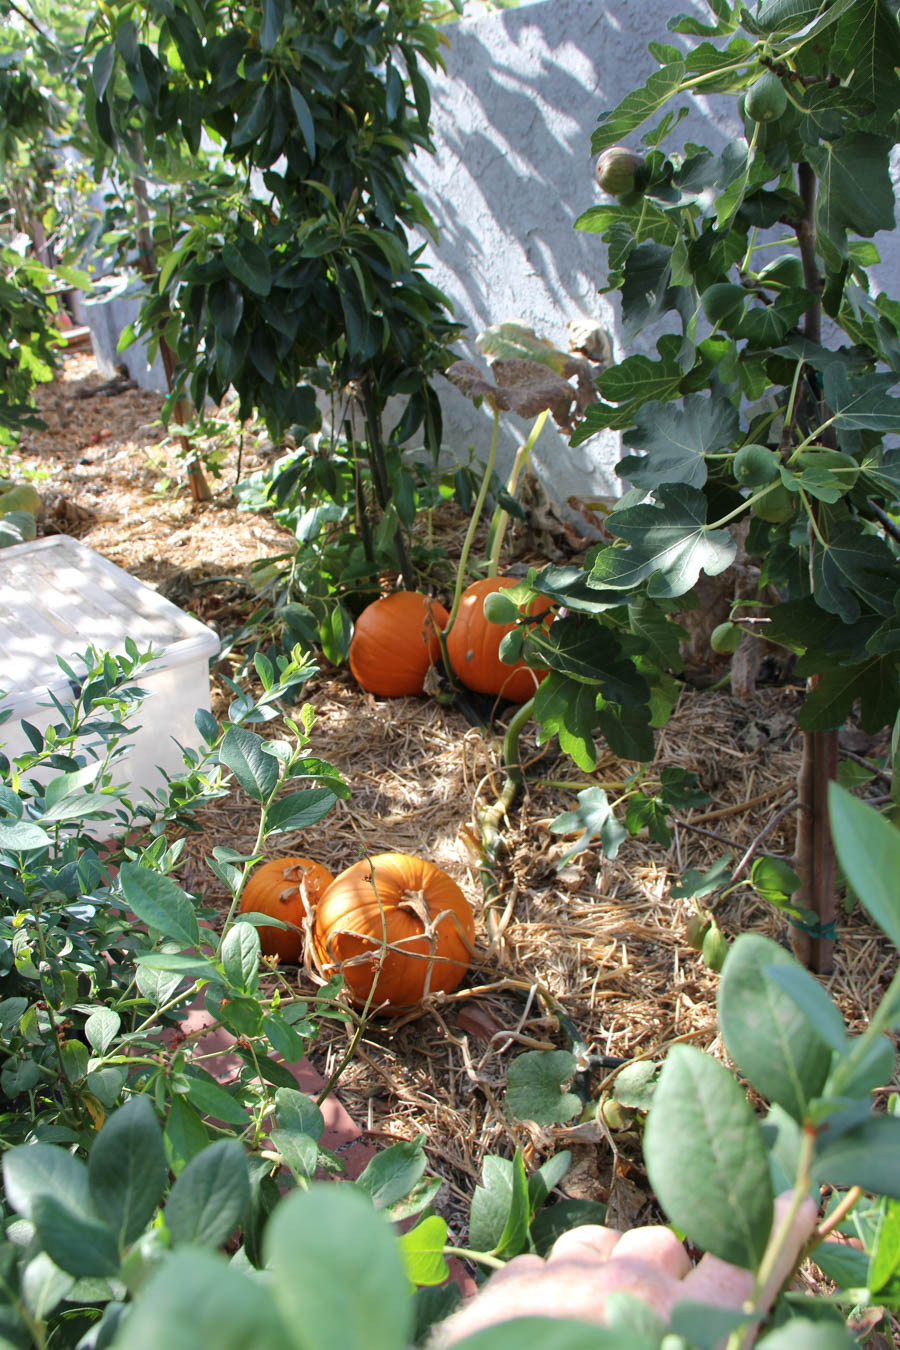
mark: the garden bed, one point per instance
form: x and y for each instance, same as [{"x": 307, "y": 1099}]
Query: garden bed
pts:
[{"x": 605, "y": 939}]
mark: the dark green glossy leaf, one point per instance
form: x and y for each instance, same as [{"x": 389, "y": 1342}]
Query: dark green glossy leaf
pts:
[
  {"x": 706, "y": 1159},
  {"x": 670, "y": 544},
  {"x": 78, "y": 1243},
  {"x": 676, "y": 440},
  {"x": 868, "y": 849},
  {"x": 766, "y": 1034},
  {"x": 864, "y": 1156},
  {"x": 242, "y": 752},
  {"x": 199, "y": 1298},
  {"x": 299, "y": 810},
  {"x": 159, "y": 903},
  {"x": 208, "y": 1199},
  {"x": 127, "y": 1169},
  {"x": 306, "y": 1243},
  {"x": 393, "y": 1172}
]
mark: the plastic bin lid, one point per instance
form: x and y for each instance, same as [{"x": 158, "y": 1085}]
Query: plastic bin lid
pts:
[{"x": 58, "y": 597}]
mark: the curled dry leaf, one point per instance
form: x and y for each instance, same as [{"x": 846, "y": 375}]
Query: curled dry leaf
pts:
[{"x": 529, "y": 388}]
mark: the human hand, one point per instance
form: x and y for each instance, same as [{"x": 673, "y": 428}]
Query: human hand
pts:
[{"x": 587, "y": 1264}]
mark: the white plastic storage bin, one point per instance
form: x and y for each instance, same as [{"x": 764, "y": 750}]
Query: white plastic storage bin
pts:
[{"x": 58, "y": 597}]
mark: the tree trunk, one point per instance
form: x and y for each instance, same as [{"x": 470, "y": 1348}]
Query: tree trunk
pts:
[{"x": 814, "y": 859}]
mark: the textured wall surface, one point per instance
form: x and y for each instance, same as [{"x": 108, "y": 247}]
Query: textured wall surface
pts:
[{"x": 512, "y": 122}]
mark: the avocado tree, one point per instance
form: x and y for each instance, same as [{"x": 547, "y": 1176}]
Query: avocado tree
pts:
[
  {"x": 288, "y": 267},
  {"x": 766, "y": 416}
]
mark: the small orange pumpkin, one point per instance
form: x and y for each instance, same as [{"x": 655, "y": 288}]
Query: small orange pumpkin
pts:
[
  {"x": 398, "y": 922},
  {"x": 395, "y": 641},
  {"x": 286, "y": 889},
  {"x": 473, "y": 646}
]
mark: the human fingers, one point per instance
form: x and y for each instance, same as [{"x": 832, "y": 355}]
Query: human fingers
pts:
[
  {"x": 657, "y": 1245},
  {"x": 565, "y": 1287},
  {"x": 587, "y": 1241},
  {"x": 526, "y": 1265}
]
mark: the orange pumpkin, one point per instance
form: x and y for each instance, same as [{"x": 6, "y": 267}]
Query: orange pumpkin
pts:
[
  {"x": 395, "y": 641},
  {"x": 473, "y": 646},
  {"x": 399, "y": 923},
  {"x": 286, "y": 889}
]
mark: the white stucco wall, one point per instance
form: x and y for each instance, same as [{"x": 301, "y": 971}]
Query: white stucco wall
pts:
[{"x": 512, "y": 120}]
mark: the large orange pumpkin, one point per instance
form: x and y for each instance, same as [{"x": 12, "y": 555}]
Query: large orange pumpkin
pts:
[
  {"x": 398, "y": 922},
  {"x": 395, "y": 641},
  {"x": 286, "y": 889},
  {"x": 473, "y": 646}
]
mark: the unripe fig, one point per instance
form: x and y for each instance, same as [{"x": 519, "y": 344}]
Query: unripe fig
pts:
[
  {"x": 755, "y": 465},
  {"x": 619, "y": 171},
  {"x": 714, "y": 948},
  {"x": 766, "y": 98},
  {"x": 698, "y": 925},
  {"x": 723, "y": 302},
  {"x": 836, "y": 462},
  {"x": 784, "y": 271},
  {"x": 498, "y": 608},
  {"x": 725, "y": 638},
  {"x": 777, "y": 506}
]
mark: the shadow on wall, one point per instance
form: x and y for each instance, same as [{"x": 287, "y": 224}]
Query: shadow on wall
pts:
[{"x": 512, "y": 120}]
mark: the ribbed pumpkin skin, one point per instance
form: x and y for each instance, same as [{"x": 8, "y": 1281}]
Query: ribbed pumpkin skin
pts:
[
  {"x": 395, "y": 641},
  {"x": 362, "y": 910},
  {"x": 473, "y": 646},
  {"x": 277, "y": 888}
]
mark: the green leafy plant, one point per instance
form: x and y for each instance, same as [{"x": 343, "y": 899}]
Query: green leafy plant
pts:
[{"x": 745, "y": 421}]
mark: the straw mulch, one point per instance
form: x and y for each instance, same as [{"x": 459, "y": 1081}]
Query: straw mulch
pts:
[{"x": 604, "y": 939}]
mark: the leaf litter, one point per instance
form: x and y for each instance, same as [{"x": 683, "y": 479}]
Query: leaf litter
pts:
[{"x": 599, "y": 942}]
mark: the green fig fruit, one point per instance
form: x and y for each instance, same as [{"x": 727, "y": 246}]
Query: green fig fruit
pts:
[
  {"x": 777, "y": 506},
  {"x": 766, "y": 98},
  {"x": 836, "y": 463},
  {"x": 725, "y": 638},
  {"x": 619, "y": 171},
  {"x": 698, "y": 925},
  {"x": 755, "y": 465},
  {"x": 715, "y": 948},
  {"x": 787, "y": 270},
  {"x": 498, "y": 608}
]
